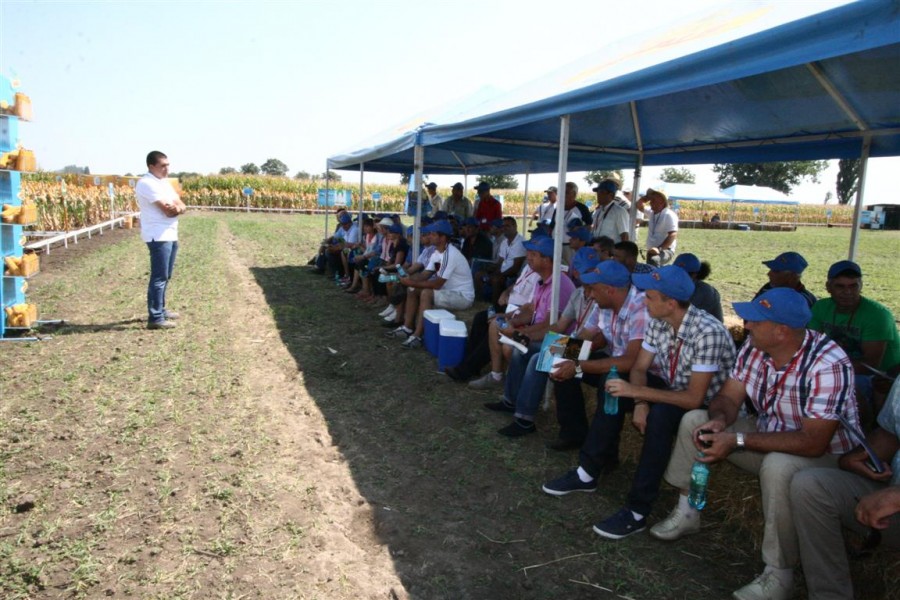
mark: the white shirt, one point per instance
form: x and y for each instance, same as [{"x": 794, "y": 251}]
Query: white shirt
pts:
[
  {"x": 510, "y": 251},
  {"x": 658, "y": 227},
  {"x": 156, "y": 226},
  {"x": 612, "y": 221},
  {"x": 455, "y": 270},
  {"x": 350, "y": 236},
  {"x": 545, "y": 212}
]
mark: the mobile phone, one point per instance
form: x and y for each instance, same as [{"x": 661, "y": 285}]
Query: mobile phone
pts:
[{"x": 705, "y": 443}]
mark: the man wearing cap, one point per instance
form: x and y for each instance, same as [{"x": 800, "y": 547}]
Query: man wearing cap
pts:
[
  {"x": 544, "y": 212},
  {"x": 856, "y": 497},
  {"x": 475, "y": 242},
  {"x": 346, "y": 236},
  {"x": 692, "y": 353},
  {"x": 799, "y": 383},
  {"x": 785, "y": 271},
  {"x": 487, "y": 208},
  {"x": 433, "y": 197},
  {"x": 627, "y": 254},
  {"x": 662, "y": 228},
  {"x": 525, "y": 384},
  {"x": 450, "y": 287},
  {"x": 622, "y": 321},
  {"x": 457, "y": 204},
  {"x": 610, "y": 218},
  {"x": 572, "y": 210},
  {"x": 864, "y": 328},
  {"x": 705, "y": 296}
]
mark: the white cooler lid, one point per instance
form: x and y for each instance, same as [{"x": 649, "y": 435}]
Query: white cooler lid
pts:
[
  {"x": 436, "y": 315},
  {"x": 453, "y": 328}
]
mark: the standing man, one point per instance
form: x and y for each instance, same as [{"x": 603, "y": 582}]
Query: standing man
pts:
[
  {"x": 785, "y": 270},
  {"x": 694, "y": 354},
  {"x": 662, "y": 228},
  {"x": 544, "y": 212},
  {"x": 799, "y": 383},
  {"x": 160, "y": 206},
  {"x": 488, "y": 208},
  {"x": 457, "y": 204},
  {"x": 610, "y": 219},
  {"x": 573, "y": 209},
  {"x": 437, "y": 203}
]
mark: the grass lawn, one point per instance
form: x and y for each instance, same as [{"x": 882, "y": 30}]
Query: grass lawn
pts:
[{"x": 276, "y": 445}]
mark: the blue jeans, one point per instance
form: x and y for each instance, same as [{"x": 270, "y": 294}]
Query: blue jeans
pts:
[
  {"x": 524, "y": 386},
  {"x": 162, "y": 262}
]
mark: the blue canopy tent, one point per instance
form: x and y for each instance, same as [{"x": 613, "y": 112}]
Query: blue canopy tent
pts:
[
  {"x": 746, "y": 82},
  {"x": 758, "y": 194}
]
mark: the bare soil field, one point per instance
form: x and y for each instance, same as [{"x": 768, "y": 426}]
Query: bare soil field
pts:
[{"x": 277, "y": 445}]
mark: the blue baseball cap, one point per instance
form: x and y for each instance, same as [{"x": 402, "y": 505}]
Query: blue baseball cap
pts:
[
  {"x": 470, "y": 221},
  {"x": 585, "y": 259},
  {"x": 540, "y": 232},
  {"x": 498, "y": 223},
  {"x": 441, "y": 226},
  {"x": 787, "y": 261},
  {"x": 779, "y": 305},
  {"x": 844, "y": 267},
  {"x": 544, "y": 245},
  {"x": 345, "y": 218},
  {"x": 483, "y": 186},
  {"x": 608, "y": 272},
  {"x": 581, "y": 233},
  {"x": 395, "y": 228},
  {"x": 672, "y": 281},
  {"x": 687, "y": 261},
  {"x": 441, "y": 214},
  {"x": 607, "y": 185}
]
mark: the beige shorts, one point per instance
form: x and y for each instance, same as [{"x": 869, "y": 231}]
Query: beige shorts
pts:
[{"x": 451, "y": 300}]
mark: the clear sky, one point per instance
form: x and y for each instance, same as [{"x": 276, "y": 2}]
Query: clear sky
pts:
[{"x": 216, "y": 84}]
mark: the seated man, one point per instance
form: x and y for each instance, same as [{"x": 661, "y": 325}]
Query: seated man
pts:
[
  {"x": 694, "y": 353},
  {"x": 856, "y": 497},
  {"x": 864, "y": 328},
  {"x": 662, "y": 228},
  {"x": 476, "y": 244},
  {"x": 605, "y": 247},
  {"x": 705, "y": 296},
  {"x": 507, "y": 264},
  {"x": 785, "y": 271},
  {"x": 525, "y": 385},
  {"x": 530, "y": 320},
  {"x": 450, "y": 288},
  {"x": 345, "y": 236},
  {"x": 396, "y": 307},
  {"x": 799, "y": 384},
  {"x": 627, "y": 254}
]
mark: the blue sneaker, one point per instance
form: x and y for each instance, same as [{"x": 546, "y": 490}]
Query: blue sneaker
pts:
[
  {"x": 620, "y": 525},
  {"x": 568, "y": 483}
]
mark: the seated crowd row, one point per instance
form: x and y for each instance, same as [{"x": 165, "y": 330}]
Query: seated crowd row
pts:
[{"x": 782, "y": 405}]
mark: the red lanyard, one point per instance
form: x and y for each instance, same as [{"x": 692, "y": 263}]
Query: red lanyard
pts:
[
  {"x": 673, "y": 364},
  {"x": 584, "y": 313},
  {"x": 768, "y": 396}
]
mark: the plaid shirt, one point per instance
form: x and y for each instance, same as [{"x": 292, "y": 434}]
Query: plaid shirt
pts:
[
  {"x": 817, "y": 383},
  {"x": 629, "y": 324},
  {"x": 643, "y": 268},
  {"x": 701, "y": 345}
]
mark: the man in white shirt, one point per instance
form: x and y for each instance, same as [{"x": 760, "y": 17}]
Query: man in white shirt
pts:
[
  {"x": 544, "y": 213},
  {"x": 451, "y": 287},
  {"x": 662, "y": 228},
  {"x": 610, "y": 219},
  {"x": 510, "y": 258},
  {"x": 160, "y": 206},
  {"x": 437, "y": 203}
]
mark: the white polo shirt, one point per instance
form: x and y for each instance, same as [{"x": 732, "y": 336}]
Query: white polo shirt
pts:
[
  {"x": 510, "y": 251},
  {"x": 455, "y": 270},
  {"x": 156, "y": 226}
]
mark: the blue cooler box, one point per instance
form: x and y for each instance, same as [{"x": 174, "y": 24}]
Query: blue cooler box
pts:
[
  {"x": 452, "y": 344},
  {"x": 433, "y": 319}
]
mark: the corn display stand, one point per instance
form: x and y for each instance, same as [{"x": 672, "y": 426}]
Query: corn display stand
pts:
[{"x": 17, "y": 314}]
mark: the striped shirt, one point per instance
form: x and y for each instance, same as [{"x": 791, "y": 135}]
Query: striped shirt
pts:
[
  {"x": 701, "y": 345},
  {"x": 629, "y": 324},
  {"x": 817, "y": 383}
]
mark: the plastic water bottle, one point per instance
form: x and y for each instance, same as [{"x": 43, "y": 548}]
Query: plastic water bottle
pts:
[
  {"x": 400, "y": 271},
  {"x": 491, "y": 311},
  {"x": 699, "y": 479},
  {"x": 610, "y": 402}
]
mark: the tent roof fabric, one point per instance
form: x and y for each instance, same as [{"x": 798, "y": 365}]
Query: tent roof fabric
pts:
[
  {"x": 757, "y": 194},
  {"x": 746, "y": 82}
]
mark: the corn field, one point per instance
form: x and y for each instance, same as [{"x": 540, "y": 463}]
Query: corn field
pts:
[{"x": 81, "y": 202}]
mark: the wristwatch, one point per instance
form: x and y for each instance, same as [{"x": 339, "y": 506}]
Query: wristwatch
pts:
[
  {"x": 578, "y": 370},
  {"x": 741, "y": 442}
]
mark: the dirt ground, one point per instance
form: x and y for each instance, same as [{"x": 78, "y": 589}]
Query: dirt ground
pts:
[{"x": 276, "y": 445}]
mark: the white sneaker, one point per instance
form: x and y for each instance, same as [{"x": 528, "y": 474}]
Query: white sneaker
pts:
[
  {"x": 486, "y": 382},
  {"x": 387, "y": 310},
  {"x": 676, "y": 525},
  {"x": 767, "y": 586},
  {"x": 391, "y": 316}
]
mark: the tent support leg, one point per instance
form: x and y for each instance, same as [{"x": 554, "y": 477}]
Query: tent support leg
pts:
[
  {"x": 559, "y": 230},
  {"x": 525, "y": 208},
  {"x": 860, "y": 195},
  {"x": 362, "y": 196},
  {"x": 418, "y": 162}
]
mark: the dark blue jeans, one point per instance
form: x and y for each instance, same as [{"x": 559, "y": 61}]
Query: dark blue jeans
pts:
[
  {"x": 601, "y": 448},
  {"x": 162, "y": 263}
]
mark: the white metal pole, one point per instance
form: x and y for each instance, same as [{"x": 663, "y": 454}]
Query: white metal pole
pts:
[
  {"x": 525, "y": 207},
  {"x": 362, "y": 197},
  {"x": 635, "y": 195},
  {"x": 418, "y": 163},
  {"x": 860, "y": 195},
  {"x": 327, "y": 208},
  {"x": 560, "y": 214}
]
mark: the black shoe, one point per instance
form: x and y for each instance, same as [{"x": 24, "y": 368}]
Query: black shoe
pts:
[
  {"x": 500, "y": 407},
  {"x": 517, "y": 429},
  {"x": 564, "y": 445},
  {"x": 455, "y": 374},
  {"x": 161, "y": 325}
]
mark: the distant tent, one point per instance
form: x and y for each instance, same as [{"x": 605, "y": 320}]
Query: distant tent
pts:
[{"x": 762, "y": 195}]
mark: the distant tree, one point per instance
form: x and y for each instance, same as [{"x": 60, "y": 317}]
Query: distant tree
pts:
[
  {"x": 781, "y": 176},
  {"x": 595, "y": 177},
  {"x": 274, "y": 167},
  {"x": 227, "y": 170},
  {"x": 302, "y": 176},
  {"x": 847, "y": 179},
  {"x": 330, "y": 175},
  {"x": 87, "y": 171},
  {"x": 679, "y": 175},
  {"x": 500, "y": 182},
  {"x": 250, "y": 169},
  {"x": 183, "y": 174},
  {"x": 404, "y": 179}
]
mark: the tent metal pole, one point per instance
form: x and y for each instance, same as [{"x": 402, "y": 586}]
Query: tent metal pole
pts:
[
  {"x": 860, "y": 195},
  {"x": 418, "y": 162},
  {"x": 636, "y": 186},
  {"x": 362, "y": 197},
  {"x": 327, "y": 208},
  {"x": 525, "y": 207},
  {"x": 560, "y": 215}
]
